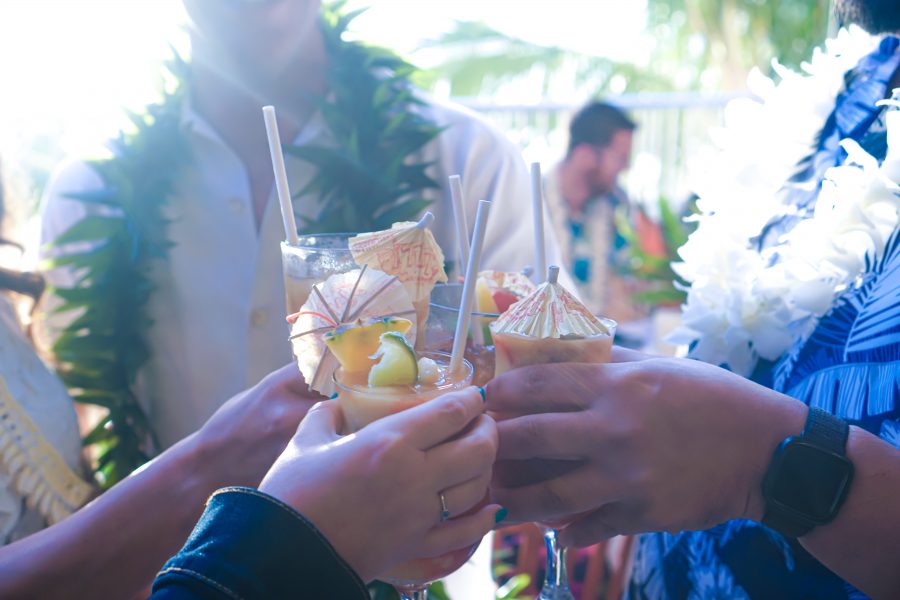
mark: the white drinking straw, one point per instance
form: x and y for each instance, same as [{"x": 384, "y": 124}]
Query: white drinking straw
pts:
[
  {"x": 537, "y": 206},
  {"x": 462, "y": 227},
  {"x": 281, "y": 180},
  {"x": 468, "y": 293}
]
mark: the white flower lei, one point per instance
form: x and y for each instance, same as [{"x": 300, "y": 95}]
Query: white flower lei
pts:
[{"x": 742, "y": 305}]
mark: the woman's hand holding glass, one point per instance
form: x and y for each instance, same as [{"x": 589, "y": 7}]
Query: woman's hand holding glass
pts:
[{"x": 376, "y": 494}]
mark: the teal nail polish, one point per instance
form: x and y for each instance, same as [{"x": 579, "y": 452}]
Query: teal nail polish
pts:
[
  {"x": 333, "y": 396},
  {"x": 483, "y": 395},
  {"x": 500, "y": 515}
]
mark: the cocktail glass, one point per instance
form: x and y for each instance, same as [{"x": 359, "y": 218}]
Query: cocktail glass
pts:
[
  {"x": 441, "y": 325},
  {"x": 513, "y": 351},
  {"x": 312, "y": 260},
  {"x": 363, "y": 404}
]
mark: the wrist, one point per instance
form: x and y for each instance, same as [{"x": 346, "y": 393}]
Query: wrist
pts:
[
  {"x": 195, "y": 468},
  {"x": 777, "y": 419}
]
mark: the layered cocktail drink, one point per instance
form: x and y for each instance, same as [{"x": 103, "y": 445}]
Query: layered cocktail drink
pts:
[
  {"x": 551, "y": 326},
  {"x": 312, "y": 260},
  {"x": 362, "y": 403},
  {"x": 366, "y": 397},
  {"x": 495, "y": 292},
  {"x": 513, "y": 350}
]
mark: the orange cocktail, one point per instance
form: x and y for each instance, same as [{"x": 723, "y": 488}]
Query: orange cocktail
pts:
[
  {"x": 551, "y": 326},
  {"x": 312, "y": 260},
  {"x": 362, "y": 404}
]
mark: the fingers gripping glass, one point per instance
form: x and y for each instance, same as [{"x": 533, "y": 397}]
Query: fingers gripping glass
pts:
[{"x": 362, "y": 404}]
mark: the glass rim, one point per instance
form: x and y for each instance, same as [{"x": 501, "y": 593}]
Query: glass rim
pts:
[
  {"x": 457, "y": 385},
  {"x": 455, "y": 309},
  {"x": 330, "y": 236},
  {"x": 607, "y": 322}
]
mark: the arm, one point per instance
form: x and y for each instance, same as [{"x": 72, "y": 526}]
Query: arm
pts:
[
  {"x": 369, "y": 502},
  {"x": 673, "y": 445},
  {"x": 862, "y": 544},
  {"x": 126, "y": 533},
  {"x": 114, "y": 546}
]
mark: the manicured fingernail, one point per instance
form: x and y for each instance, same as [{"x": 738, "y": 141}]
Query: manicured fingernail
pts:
[
  {"x": 333, "y": 396},
  {"x": 483, "y": 395},
  {"x": 500, "y": 515}
]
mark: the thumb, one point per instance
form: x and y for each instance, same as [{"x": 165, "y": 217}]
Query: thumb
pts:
[
  {"x": 321, "y": 424},
  {"x": 620, "y": 354}
]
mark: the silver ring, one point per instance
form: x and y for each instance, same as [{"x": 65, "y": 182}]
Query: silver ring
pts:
[{"x": 445, "y": 512}]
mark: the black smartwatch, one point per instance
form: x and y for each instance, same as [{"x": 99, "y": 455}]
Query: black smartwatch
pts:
[{"x": 809, "y": 476}]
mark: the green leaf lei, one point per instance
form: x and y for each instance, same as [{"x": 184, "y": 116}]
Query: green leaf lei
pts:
[
  {"x": 99, "y": 354},
  {"x": 364, "y": 183}
]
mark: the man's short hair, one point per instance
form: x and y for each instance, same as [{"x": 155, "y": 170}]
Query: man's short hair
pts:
[
  {"x": 596, "y": 123},
  {"x": 875, "y": 16}
]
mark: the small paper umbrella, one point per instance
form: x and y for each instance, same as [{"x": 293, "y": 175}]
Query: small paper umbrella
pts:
[
  {"x": 346, "y": 298},
  {"x": 550, "y": 311},
  {"x": 409, "y": 251}
]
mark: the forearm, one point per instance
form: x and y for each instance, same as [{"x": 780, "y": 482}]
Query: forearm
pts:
[
  {"x": 862, "y": 544},
  {"x": 114, "y": 546}
]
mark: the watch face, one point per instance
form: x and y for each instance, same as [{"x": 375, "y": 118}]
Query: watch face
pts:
[{"x": 810, "y": 481}]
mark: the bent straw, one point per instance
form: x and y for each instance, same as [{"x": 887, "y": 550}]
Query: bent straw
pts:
[
  {"x": 468, "y": 293},
  {"x": 459, "y": 216},
  {"x": 537, "y": 206},
  {"x": 281, "y": 181}
]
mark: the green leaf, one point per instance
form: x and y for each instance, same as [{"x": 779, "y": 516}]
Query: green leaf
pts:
[
  {"x": 92, "y": 228},
  {"x": 657, "y": 297},
  {"x": 405, "y": 211},
  {"x": 104, "y": 196},
  {"x": 515, "y": 586},
  {"x": 98, "y": 433}
]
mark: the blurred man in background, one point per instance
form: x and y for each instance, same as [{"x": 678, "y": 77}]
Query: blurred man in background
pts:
[{"x": 583, "y": 196}]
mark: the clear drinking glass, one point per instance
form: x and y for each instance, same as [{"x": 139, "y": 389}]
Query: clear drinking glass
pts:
[
  {"x": 361, "y": 405},
  {"x": 313, "y": 260},
  {"x": 513, "y": 351},
  {"x": 441, "y": 327}
]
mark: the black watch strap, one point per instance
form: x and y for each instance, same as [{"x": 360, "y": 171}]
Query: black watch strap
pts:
[
  {"x": 828, "y": 432},
  {"x": 792, "y": 526}
]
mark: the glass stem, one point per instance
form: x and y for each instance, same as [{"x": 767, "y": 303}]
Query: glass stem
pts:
[
  {"x": 550, "y": 574},
  {"x": 557, "y": 577},
  {"x": 413, "y": 593},
  {"x": 562, "y": 571}
]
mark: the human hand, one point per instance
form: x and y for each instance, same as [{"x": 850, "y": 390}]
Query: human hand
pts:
[
  {"x": 239, "y": 443},
  {"x": 374, "y": 493},
  {"x": 646, "y": 445}
]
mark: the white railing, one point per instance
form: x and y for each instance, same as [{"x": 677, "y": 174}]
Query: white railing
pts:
[{"x": 672, "y": 138}]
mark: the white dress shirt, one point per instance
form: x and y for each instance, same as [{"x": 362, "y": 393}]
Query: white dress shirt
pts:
[{"x": 219, "y": 305}]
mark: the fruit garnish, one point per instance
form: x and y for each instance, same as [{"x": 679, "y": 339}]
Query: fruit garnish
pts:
[
  {"x": 484, "y": 297},
  {"x": 354, "y": 344},
  {"x": 428, "y": 371},
  {"x": 504, "y": 299},
  {"x": 397, "y": 364},
  {"x": 496, "y": 291}
]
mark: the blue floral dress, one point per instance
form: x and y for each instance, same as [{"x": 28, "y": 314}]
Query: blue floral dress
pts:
[{"x": 850, "y": 367}]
